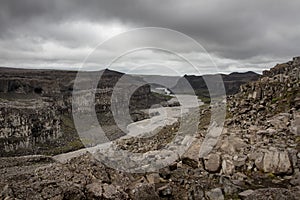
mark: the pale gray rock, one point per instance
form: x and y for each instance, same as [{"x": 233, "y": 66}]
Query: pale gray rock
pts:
[
  {"x": 227, "y": 166},
  {"x": 246, "y": 193},
  {"x": 213, "y": 133},
  {"x": 215, "y": 194},
  {"x": 94, "y": 190},
  {"x": 274, "y": 161},
  {"x": 240, "y": 160},
  {"x": 212, "y": 162},
  {"x": 232, "y": 144}
]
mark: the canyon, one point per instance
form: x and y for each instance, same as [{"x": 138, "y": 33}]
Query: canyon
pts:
[
  {"x": 35, "y": 109},
  {"x": 257, "y": 156}
]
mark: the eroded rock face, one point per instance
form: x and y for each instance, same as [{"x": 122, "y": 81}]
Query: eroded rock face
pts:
[
  {"x": 36, "y": 108},
  {"x": 23, "y": 124}
]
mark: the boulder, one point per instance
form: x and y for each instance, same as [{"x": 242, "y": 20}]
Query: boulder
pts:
[
  {"x": 240, "y": 160},
  {"x": 246, "y": 193},
  {"x": 111, "y": 192},
  {"x": 275, "y": 161},
  {"x": 211, "y": 139},
  {"x": 295, "y": 128},
  {"x": 94, "y": 190},
  {"x": 144, "y": 191},
  {"x": 153, "y": 178},
  {"x": 191, "y": 156},
  {"x": 232, "y": 144},
  {"x": 215, "y": 194},
  {"x": 212, "y": 162}
]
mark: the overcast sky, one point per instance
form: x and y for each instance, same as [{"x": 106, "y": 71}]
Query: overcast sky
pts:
[{"x": 239, "y": 35}]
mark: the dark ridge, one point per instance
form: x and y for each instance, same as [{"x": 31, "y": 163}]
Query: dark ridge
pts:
[{"x": 232, "y": 82}]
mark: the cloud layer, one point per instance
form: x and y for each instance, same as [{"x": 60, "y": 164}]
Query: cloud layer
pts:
[{"x": 239, "y": 35}]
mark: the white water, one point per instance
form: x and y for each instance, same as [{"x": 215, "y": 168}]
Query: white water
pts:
[{"x": 166, "y": 116}]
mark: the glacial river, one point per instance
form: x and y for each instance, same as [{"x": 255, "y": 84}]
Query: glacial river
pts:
[{"x": 161, "y": 116}]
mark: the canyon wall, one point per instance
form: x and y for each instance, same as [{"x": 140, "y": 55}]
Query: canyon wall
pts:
[
  {"x": 25, "y": 123},
  {"x": 36, "y": 108}
]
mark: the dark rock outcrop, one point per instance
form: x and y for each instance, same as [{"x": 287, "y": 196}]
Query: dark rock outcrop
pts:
[{"x": 232, "y": 82}]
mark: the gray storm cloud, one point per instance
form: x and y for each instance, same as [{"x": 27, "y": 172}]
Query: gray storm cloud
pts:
[{"x": 240, "y": 35}]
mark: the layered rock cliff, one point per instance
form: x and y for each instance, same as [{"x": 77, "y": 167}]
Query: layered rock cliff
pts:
[
  {"x": 25, "y": 123},
  {"x": 36, "y": 109}
]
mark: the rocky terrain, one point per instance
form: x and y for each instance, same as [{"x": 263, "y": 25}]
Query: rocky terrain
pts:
[
  {"x": 36, "y": 113},
  {"x": 35, "y": 109},
  {"x": 256, "y": 157}
]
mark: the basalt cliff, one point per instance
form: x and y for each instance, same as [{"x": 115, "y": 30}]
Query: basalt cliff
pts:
[{"x": 35, "y": 109}]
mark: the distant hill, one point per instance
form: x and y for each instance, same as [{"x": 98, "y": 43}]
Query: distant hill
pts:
[{"x": 232, "y": 83}]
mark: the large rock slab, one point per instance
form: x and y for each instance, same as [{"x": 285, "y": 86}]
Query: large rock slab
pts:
[{"x": 275, "y": 161}]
